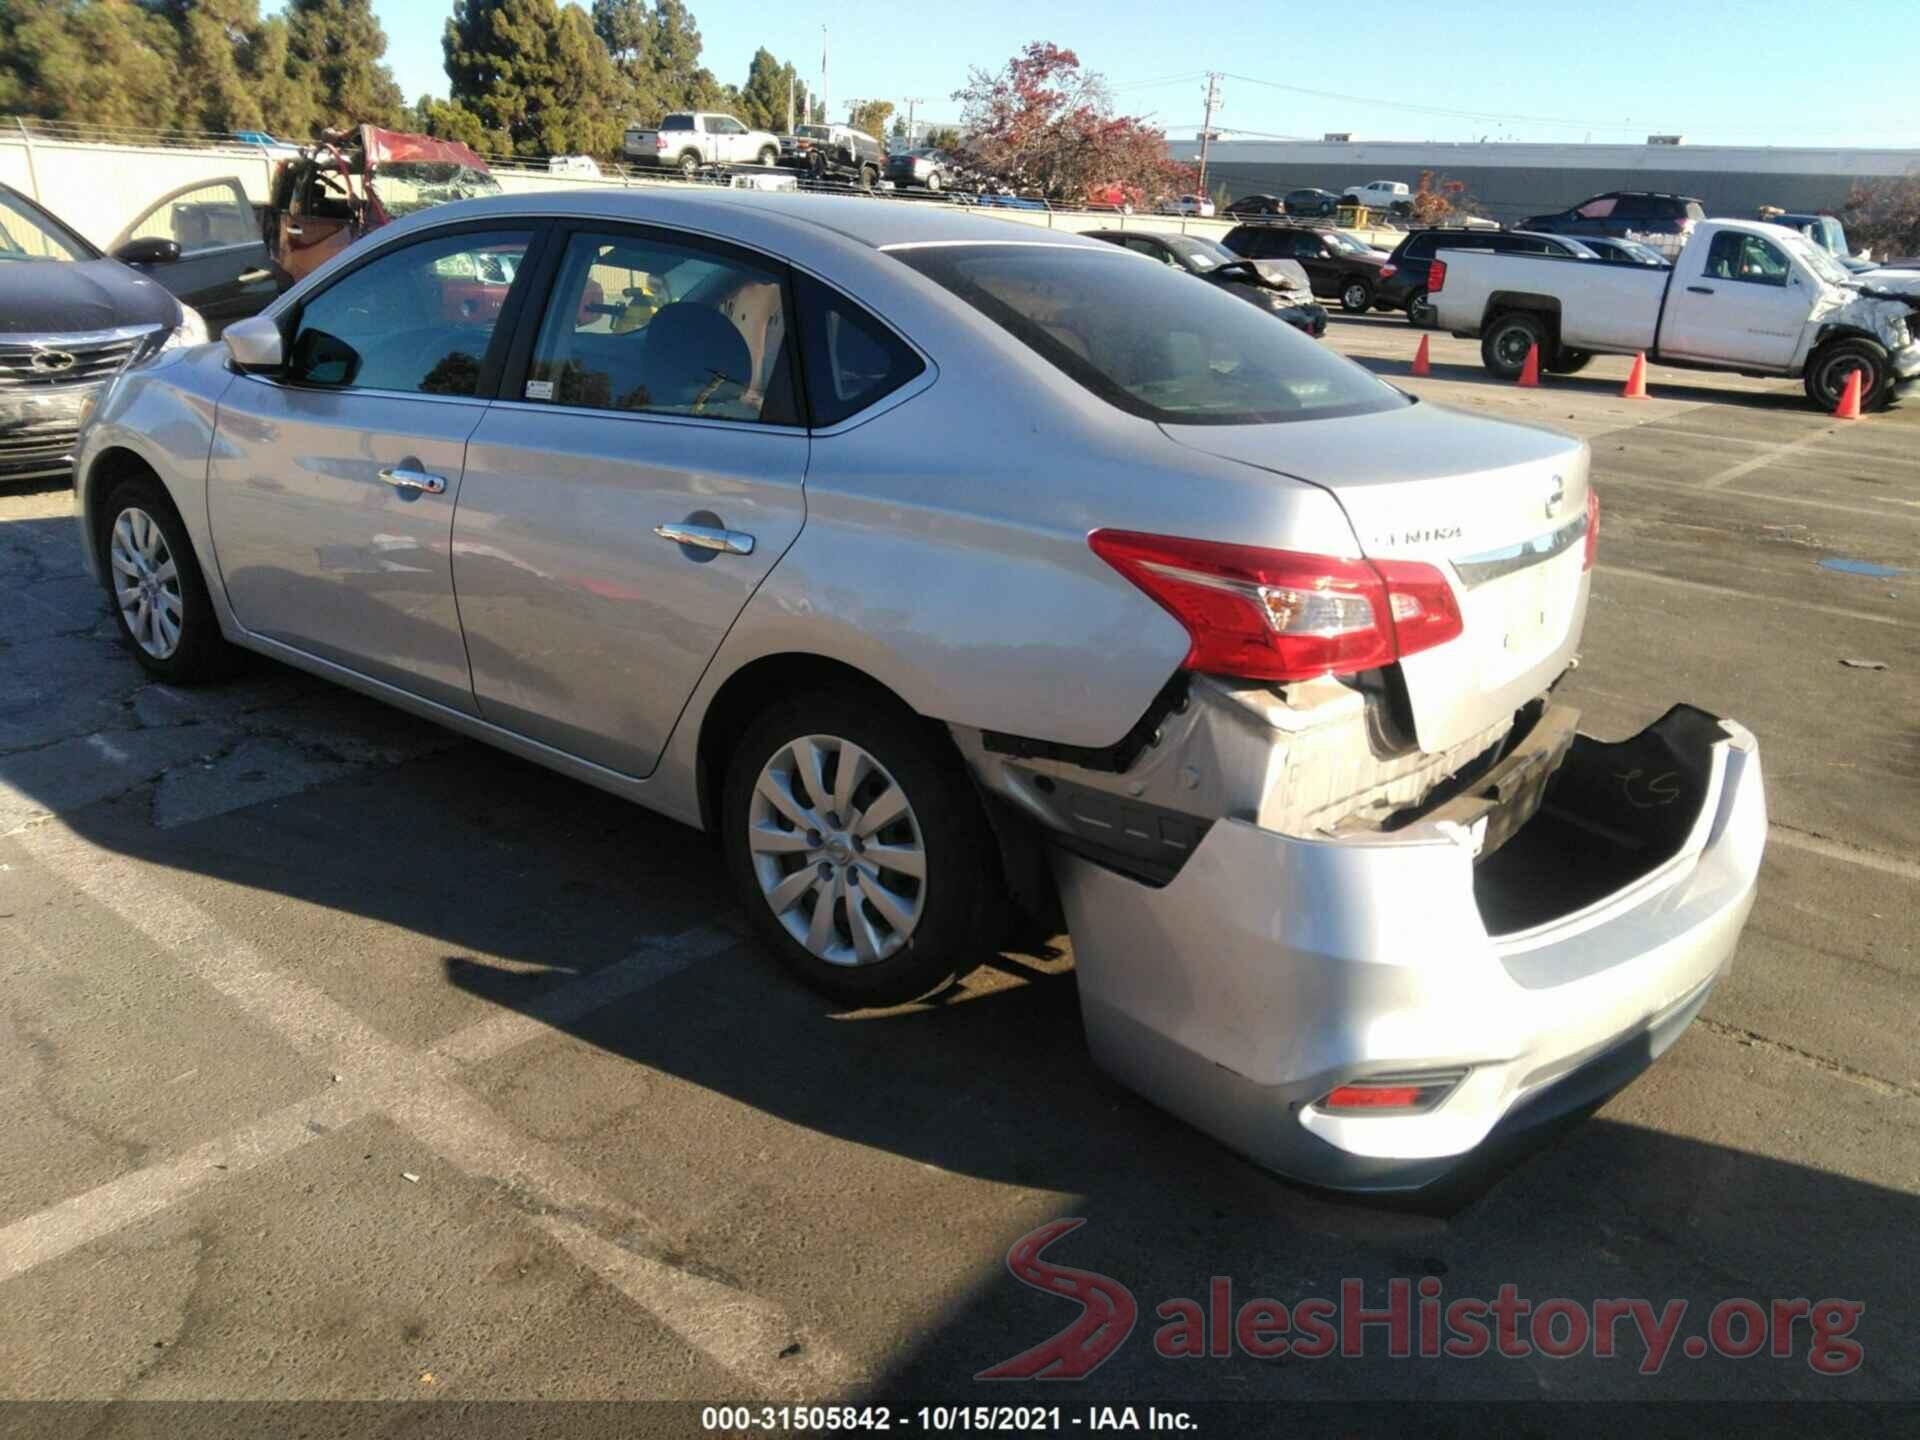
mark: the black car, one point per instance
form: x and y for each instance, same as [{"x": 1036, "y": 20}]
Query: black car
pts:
[
  {"x": 1338, "y": 266},
  {"x": 1251, "y": 205},
  {"x": 835, "y": 152},
  {"x": 1311, "y": 203},
  {"x": 1275, "y": 286},
  {"x": 1661, "y": 220},
  {"x": 1403, "y": 280},
  {"x": 1626, "y": 252},
  {"x": 71, "y": 319}
]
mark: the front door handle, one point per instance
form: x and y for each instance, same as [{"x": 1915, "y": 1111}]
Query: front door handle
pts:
[
  {"x": 1699, "y": 289},
  {"x": 401, "y": 478},
  {"x": 707, "y": 537},
  {"x": 253, "y": 277}
]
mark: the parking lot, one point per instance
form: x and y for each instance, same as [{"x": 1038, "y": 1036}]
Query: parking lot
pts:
[{"x": 351, "y": 1060}]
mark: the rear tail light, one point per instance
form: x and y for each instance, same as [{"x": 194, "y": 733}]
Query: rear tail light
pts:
[
  {"x": 1277, "y": 615},
  {"x": 1436, "y": 277},
  {"x": 1387, "y": 272},
  {"x": 659, "y": 142},
  {"x": 1593, "y": 527}
]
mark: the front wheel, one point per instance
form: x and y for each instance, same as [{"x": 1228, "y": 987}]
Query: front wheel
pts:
[
  {"x": 859, "y": 847},
  {"x": 1832, "y": 363},
  {"x": 869, "y": 177},
  {"x": 158, "y": 594},
  {"x": 935, "y": 182},
  {"x": 1356, "y": 296},
  {"x": 1504, "y": 346}
]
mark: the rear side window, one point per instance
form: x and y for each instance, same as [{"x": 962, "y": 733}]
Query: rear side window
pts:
[
  {"x": 677, "y": 122},
  {"x": 851, "y": 359},
  {"x": 1148, "y": 340},
  {"x": 1597, "y": 209},
  {"x": 1421, "y": 247}
]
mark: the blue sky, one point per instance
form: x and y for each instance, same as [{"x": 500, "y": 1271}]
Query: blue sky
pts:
[{"x": 1754, "y": 73}]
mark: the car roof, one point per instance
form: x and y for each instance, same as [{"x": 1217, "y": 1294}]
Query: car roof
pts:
[{"x": 873, "y": 222}]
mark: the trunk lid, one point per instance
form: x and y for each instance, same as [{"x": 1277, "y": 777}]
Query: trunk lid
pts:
[{"x": 1498, "y": 508}]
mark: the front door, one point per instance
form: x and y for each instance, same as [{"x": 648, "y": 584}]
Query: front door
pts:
[
  {"x": 659, "y": 394},
  {"x": 1743, "y": 305},
  {"x": 332, "y": 486},
  {"x": 222, "y": 271}
]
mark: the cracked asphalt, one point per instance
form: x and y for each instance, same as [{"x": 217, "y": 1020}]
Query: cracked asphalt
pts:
[{"x": 346, "y": 1059}]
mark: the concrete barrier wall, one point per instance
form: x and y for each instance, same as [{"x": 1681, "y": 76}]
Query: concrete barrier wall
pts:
[{"x": 99, "y": 188}]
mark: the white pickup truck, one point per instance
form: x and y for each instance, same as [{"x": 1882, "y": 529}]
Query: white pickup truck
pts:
[
  {"x": 688, "y": 141},
  {"x": 1742, "y": 295}
]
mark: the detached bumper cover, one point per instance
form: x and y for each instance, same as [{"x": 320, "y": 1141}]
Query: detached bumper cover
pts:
[{"x": 1273, "y": 968}]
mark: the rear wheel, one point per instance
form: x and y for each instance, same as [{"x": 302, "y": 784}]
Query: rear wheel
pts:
[
  {"x": 769, "y": 155},
  {"x": 690, "y": 164},
  {"x": 1570, "y": 362},
  {"x": 1355, "y": 296},
  {"x": 859, "y": 847},
  {"x": 1832, "y": 363},
  {"x": 1419, "y": 312},
  {"x": 1504, "y": 345},
  {"x": 158, "y": 594}
]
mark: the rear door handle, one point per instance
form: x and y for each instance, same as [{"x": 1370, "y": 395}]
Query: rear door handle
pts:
[
  {"x": 707, "y": 537},
  {"x": 402, "y": 478},
  {"x": 1699, "y": 289}
]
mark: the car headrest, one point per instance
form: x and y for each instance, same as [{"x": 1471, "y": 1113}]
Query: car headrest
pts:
[{"x": 699, "y": 340}]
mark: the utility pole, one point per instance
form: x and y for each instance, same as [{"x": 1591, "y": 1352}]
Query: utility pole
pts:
[
  {"x": 912, "y": 102},
  {"x": 826, "y": 91},
  {"x": 1206, "y": 127}
]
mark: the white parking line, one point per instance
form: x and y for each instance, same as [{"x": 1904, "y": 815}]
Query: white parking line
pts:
[
  {"x": 1911, "y": 510},
  {"x": 1760, "y": 462},
  {"x": 419, "y": 1090},
  {"x": 1803, "y": 606},
  {"x": 1840, "y": 850}
]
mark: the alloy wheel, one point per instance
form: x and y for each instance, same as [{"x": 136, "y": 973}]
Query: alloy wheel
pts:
[
  {"x": 146, "y": 583},
  {"x": 837, "y": 850}
]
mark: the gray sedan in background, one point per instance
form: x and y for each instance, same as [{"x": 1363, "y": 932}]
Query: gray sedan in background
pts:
[{"x": 935, "y": 562}]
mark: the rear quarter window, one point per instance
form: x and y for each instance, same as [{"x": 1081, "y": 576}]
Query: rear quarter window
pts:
[
  {"x": 851, "y": 359},
  {"x": 677, "y": 122}
]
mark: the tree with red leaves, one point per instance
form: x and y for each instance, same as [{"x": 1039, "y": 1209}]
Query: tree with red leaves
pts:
[
  {"x": 1437, "y": 199},
  {"x": 1042, "y": 125}
]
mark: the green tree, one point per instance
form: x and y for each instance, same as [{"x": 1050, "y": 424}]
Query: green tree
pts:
[
  {"x": 450, "y": 120},
  {"x": 625, "y": 27},
  {"x": 288, "y": 107},
  {"x": 680, "y": 81},
  {"x": 211, "y": 37},
  {"x": 536, "y": 74},
  {"x": 946, "y": 137},
  {"x": 101, "y": 62},
  {"x": 333, "y": 52},
  {"x": 763, "y": 99},
  {"x": 870, "y": 116}
]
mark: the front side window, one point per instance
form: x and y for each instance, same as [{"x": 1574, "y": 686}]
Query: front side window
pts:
[
  {"x": 209, "y": 218},
  {"x": 26, "y": 233},
  {"x": 726, "y": 126},
  {"x": 644, "y": 324},
  {"x": 1150, "y": 342},
  {"x": 1746, "y": 258},
  {"x": 420, "y": 318}
]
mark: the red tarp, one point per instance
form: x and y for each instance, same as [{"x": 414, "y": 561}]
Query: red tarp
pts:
[{"x": 391, "y": 147}]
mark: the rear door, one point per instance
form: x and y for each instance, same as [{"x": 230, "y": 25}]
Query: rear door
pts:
[
  {"x": 222, "y": 271},
  {"x": 640, "y": 475},
  {"x": 1737, "y": 300}
]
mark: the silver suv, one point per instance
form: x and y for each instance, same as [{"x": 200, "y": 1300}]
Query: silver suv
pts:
[{"x": 934, "y": 562}]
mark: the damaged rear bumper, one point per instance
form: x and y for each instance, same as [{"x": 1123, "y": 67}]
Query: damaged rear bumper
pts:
[{"x": 1272, "y": 969}]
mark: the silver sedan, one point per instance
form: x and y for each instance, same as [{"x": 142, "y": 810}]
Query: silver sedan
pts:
[{"x": 938, "y": 561}]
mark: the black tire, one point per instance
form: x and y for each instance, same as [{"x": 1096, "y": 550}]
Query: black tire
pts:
[
  {"x": 690, "y": 165},
  {"x": 1570, "y": 362},
  {"x": 1829, "y": 366},
  {"x": 1419, "y": 313},
  {"x": 769, "y": 155},
  {"x": 935, "y": 182},
  {"x": 869, "y": 177},
  {"x": 201, "y": 653},
  {"x": 1356, "y": 295},
  {"x": 1504, "y": 343},
  {"x": 960, "y": 897}
]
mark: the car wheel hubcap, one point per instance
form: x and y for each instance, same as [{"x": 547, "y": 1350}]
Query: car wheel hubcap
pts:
[
  {"x": 1514, "y": 345},
  {"x": 837, "y": 850},
  {"x": 1356, "y": 296},
  {"x": 146, "y": 583}
]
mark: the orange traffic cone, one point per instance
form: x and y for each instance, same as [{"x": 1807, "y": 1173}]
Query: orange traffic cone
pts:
[
  {"x": 1530, "y": 372},
  {"x": 1420, "y": 364},
  {"x": 1849, "y": 406},
  {"x": 1636, "y": 388}
]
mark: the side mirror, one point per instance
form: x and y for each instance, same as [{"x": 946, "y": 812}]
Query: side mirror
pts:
[
  {"x": 255, "y": 343},
  {"x": 152, "y": 251}
]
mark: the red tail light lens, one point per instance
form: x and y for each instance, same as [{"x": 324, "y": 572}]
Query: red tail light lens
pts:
[
  {"x": 1279, "y": 615},
  {"x": 1387, "y": 272},
  {"x": 659, "y": 142},
  {"x": 1593, "y": 527},
  {"x": 1436, "y": 277}
]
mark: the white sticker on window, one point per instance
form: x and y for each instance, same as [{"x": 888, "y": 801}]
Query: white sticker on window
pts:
[{"x": 539, "y": 389}]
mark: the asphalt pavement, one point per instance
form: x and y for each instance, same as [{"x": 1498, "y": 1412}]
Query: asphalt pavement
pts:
[{"x": 349, "y": 1060}]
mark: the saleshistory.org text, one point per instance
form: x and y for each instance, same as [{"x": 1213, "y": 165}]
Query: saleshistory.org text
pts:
[{"x": 1417, "y": 1318}]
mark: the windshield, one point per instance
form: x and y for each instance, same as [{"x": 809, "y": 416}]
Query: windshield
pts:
[
  {"x": 411, "y": 186},
  {"x": 814, "y": 132},
  {"x": 1148, "y": 340},
  {"x": 1816, "y": 259},
  {"x": 29, "y": 233},
  {"x": 1201, "y": 254}
]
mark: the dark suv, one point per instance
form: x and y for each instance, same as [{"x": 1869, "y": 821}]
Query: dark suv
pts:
[
  {"x": 1403, "y": 280},
  {"x": 1660, "y": 220},
  {"x": 1338, "y": 266}
]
